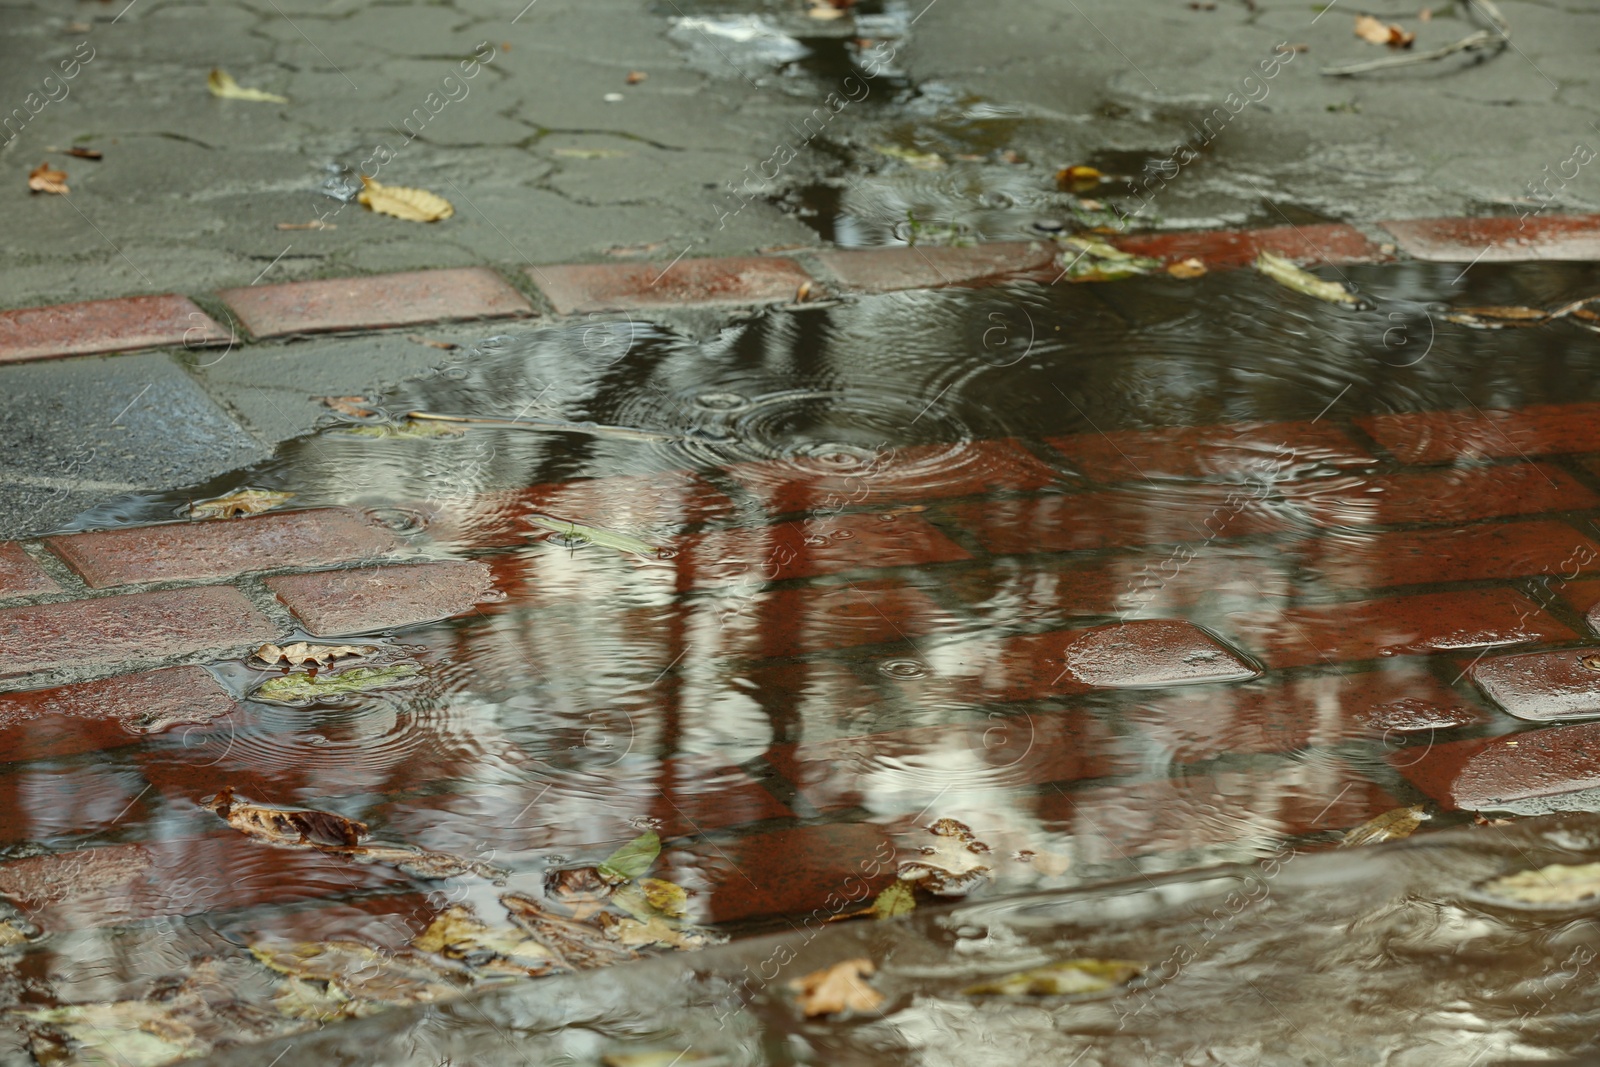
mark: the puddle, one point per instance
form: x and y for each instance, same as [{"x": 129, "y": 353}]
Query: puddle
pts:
[{"x": 888, "y": 578}]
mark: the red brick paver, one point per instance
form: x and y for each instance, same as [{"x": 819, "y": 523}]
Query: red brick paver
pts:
[
  {"x": 1453, "y": 495},
  {"x": 1543, "y": 685},
  {"x": 56, "y": 722},
  {"x": 1484, "y": 774},
  {"x": 607, "y": 286},
  {"x": 1499, "y": 240},
  {"x": 20, "y": 575},
  {"x": 830, "y": 545},
  {"x": 1326, "y": 243},
  {"x": 106, "y": 326},
  {"x": 1501, "y": 550},
  {"x": 381, "y": 598},
  {"x": 218, "y": 548},
  {"x": 138, "y": 626},
  {"x": 1269, "y": 452},
  {"x": 1363, "y": 629},
  {"x": 1449, "y": 436},
  {"x": 374, "y": 303},
  {"x": 879, "y": 270}
]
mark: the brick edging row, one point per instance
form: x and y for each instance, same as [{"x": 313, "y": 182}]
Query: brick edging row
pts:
[{"x": 413, "y": 298}]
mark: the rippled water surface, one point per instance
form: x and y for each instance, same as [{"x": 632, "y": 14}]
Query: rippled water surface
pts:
[{"x": 911, "y": 557}]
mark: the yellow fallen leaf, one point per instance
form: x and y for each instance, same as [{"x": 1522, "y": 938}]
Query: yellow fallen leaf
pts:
[
  {"x": 46, "y": 179},
  {"x": 1376, "y": 31},
  {"x": 1390, "y": 826},
  {"x": 841, "y": 987},
  {"x": 1186, "y": 268},
  {"x": 1284, "y": 272},
  {"x": 1559, "y": 883},
  {"x": 237, "y": 503},
  {"x": 222, "y": 85},
  {"x": 1078, "y": 178},
  {"x": 413, "y": 205}
]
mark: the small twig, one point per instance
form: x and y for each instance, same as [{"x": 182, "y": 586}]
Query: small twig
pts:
[{"x": 1498, "y": 35}]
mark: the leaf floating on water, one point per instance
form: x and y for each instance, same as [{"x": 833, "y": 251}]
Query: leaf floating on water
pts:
[
  {"x": 1066, "y": 978},
  {"x": 458, "y": 934},
  {"x": 839, "y": 988},
  {"x": 407, "y": 428},
  {"x": 422, "y": 863},
  {"x": 898, "y": 899},
  {"x": 1286, "y": 273},
  {"x": 1559, "y": 883},
  {"x": 632, "y": 859},
  {"x": 299, "y": 999},
  {"x": 403, "y": 202},
  {"x": 657, "y": 930},
  {"x": 1496, "y": 318},
  {"x": 46, "y": 179},
  {"x": 359, "y": 971},
  {"x": 952, "y": 864},
  {"x": 127, "y": 1033},
  {"x": 1192, "y": 267},
  {"x": 1390, "y": 826},
  {"x": 304, "y": 688},
  {"x": 1078, "y": 179},
  {"x": 919, "y": 160},
  {"x": 239, "y": 502},
  {"x": 288, "y": 826},
  {"x": 222, "y": 85},
  {"x": 302, "y": 652},
  {"x": 596, "y": 536},
  {"x": 1089, "y": 260},
  {"x": 353, "y": 406},
  {"x": 575, "y": 945}
]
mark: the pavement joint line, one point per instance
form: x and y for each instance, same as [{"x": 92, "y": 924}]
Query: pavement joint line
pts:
[{"x": 114, "y": 326}]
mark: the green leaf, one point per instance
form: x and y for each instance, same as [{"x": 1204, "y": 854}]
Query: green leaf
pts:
[
  {"x": 1286, "y": 273},
  {"x": 897, "y": 899},
  {"x": 1062, "y": 978},
  {"x": 632, "y": 859},
  {"x": 594, "y": 535},
  {"x": 301, "y": 687}
]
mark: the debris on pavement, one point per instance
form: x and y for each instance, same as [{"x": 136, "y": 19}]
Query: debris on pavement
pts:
[
  {"x": 302, "y": 652},
  {"x": 953, "y": 864},
  {"x": 300, "y": 688},
  {"x": 1376, "y": 31},
  {"x": 1285, "y": 273},
  {"x": 238, "y": 503},
  {"x": 573, "y": 534},
  {"x": 47, "y": 179},
  {"x": 837, "y": 989},
  {"x": 1389, "y": 826},
  {"x": 404, "y": 202},
  {"x": 222, "y": 85},
  {"x": 1559, "y": 883}
]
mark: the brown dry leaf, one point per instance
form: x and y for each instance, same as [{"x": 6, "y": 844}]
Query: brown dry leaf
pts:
[
  {"x": 84, "y": 153},
  {"x": 1078, "y": 178},
  {"x": 574, "y": 945},
  {"x": 445, "y": 346},
  {"x": 46, "y": 179},
  {"x": 1376, "y": 31},
  {"x": 222, "y": 85},
  {"x": 839, "y": 988},
  {"x": 302, "y": 652},
  {"x": 656, "y": 930},
  {"x": 354, "y": 406},
  {"x": 360, "y": 971},
  {"x": 1390, "y": 826},
  {"x": 458, "y": 934},
  {"x": 1187, "y": 268},
  {"x": 239, "y": 502},
  {"x": 288, "y": 826},
  {"x": 413, "y": 205},
  {"x": 314, "y": 224},
  {"x": 635, "y": 77},
  {"x": 952, "y": 864},
  {"x": 421, "y": 863},
  {"x": 1496, "y": 318}
]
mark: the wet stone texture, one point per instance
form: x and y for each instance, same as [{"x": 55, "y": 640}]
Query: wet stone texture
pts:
[
  {"x": 102, "y": 714},
  {"x": 1544, "y": 685},
  {"x": 376, "y": 303},
  {"x": 379, "y": 598},
  {"x": 601, "y": 287},
  {"x": 106, "y": 326},
  {"x": 20, "y": 575}
]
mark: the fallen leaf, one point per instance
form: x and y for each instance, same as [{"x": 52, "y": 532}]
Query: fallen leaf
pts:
[
  {"x": 406, "y": 428},
  {"x": 1496, "y": 318},
  {"x": 952, "y": 864},
  {"x": 899, "y": 898},
  {"x": 583, "y": 891},
  {"x": 417, "y": 338},
  {"x": 656, "y": 930},
  {"x": 919, "y": 160},
  {"x": 1066, "y": 978},
  {"x": 288, "y": 826},
  {"x": 314, "y": 224},
  {"x": 222, "y": 85},
  {"x": 632, "y": 859},
  {"x": 301, "y": 652},
  {"x": 1078, "y": 178},
  {"x": 304, "y": 688},
  {"x": 458, "y": 934},
  {"x": 1287, "y": 274},
  {"x": 841, "y": 987},
  {"x": 422, "y": 863},
  {"x": 237, "y": 503},
  {"x": 128, "y": 1033},
  {"x": 353, "y": 406},
  {"x": 574, "y": 945},
  {"x": 825, "y": 11},
  {"x": 635, "y": 77},
  {"x": 593, "y": 535},
  {"x": 297, "y": 998},
  {"x": 1559, "y": 883},
  {"x": 1089, "y": 260},
  {"x": 359, "y": 971},
  {"x": 1187, "y": 268},
  {"x": 413, "y": 205},
  {"x": 1376, "y": 31},
  {"x": 1390, "y": 826},
  {"x": 46, "y": 179},
  {"x": 650, "y": 897},
  {"x": 84, "y": 153}
]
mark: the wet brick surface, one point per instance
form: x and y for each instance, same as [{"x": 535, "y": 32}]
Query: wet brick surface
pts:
[
  {"x": 106, "y": 713},
  {"x": 137, "y": 626},
  {"x": 878, "y": 270},
  {"x": 1504, "y": 239},
  {"x": 1244, "y": 452},
  {"x": 1450, "y": 436},
  {"x": 1502, "y": 550},
  {"x": 1322, "y": 243},
  {"x": 121, "y": 325},
  {"x": 1454, "y": 495},
  {"x": 220, "y": 548},
  {"x": 834, "y": 545},
  {"x": 410, "y": 298},
  {"x": 20, "y": 575},
  {"x": 1483, "y": 774},
  {"x": 380, "y": 598},
  {"x": 608, "y": 286},
  {"x": 1543, "y": 685}
]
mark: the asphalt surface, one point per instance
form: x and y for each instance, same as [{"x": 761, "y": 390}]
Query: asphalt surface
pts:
[{"x": 534, "y": 121}]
